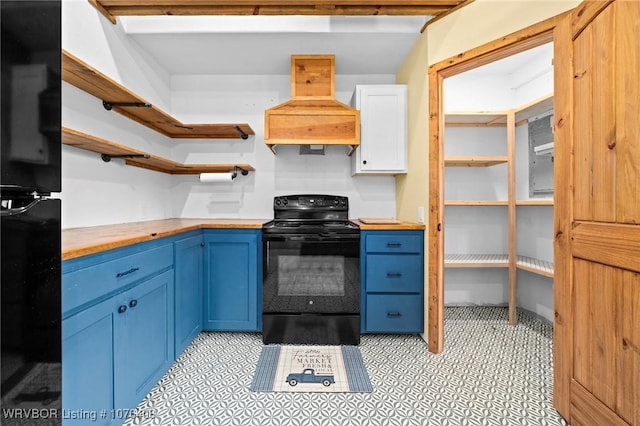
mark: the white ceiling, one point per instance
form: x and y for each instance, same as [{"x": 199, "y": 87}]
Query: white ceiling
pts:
[{"x": 263, "y": 45}]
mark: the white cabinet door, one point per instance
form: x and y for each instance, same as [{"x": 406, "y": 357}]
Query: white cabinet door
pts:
[{"x": 383, "y": 129}]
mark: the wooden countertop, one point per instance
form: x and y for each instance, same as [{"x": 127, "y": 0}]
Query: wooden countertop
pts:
[
  {"x": 386, "y": 224},
  {"x": 78, "y": 242}
]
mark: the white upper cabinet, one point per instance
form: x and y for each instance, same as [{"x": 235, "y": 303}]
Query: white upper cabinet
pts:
[{"x": 383, "y": 129}]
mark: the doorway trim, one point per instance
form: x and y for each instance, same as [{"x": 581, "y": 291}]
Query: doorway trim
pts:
[{"x": 519, "y": 41}]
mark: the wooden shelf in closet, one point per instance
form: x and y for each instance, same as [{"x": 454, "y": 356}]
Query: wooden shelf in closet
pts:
[
  {"x": 475, "y": 161},
  {"x": 533, "y": 109},
  {"x": 536, "y": 266},
  {"x": 132, "y": 106},
  {"x": 476, "y": 203},
  {"x": 146, "y": 161},
  {"x": 476, "y": 260},
  {"x": 476, "y": 119},
  {"x": 535, "y": 202}
]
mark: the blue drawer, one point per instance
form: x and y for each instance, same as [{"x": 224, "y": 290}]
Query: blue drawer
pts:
[
  {"x": 394, "y": 273},
  {"x": 400, "y": 313},
  {"x": 394, "y": 243},
  {"x": 82, "y": 286}
]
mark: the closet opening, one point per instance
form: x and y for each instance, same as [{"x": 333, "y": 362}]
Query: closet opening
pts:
[{"x": 491, "y": 178}]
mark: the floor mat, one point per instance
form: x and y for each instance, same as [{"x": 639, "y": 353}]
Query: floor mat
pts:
[{"x": 309, "y": 368}]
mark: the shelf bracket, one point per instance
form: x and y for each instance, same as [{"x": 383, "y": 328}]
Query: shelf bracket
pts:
[
  {"x": 243, "y": 135},
  {"x": 109, "y": 105},
  {"x": 237, "y": 169},
  {"x": 107, "y": 157}
]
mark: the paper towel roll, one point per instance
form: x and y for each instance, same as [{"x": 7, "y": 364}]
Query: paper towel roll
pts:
[{"x": 216, "y": 177}]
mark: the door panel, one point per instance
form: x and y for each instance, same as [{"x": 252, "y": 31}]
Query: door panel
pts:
[
  {"x": 595, "y": 182},
  {"x": 597, "y": 342},
  {"x": 627, "y": 94},
  {"x": 628, "y": 401},
  {"x": 595, "y": 329}
]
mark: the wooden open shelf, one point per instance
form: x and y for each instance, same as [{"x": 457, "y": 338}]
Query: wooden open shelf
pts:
[
  {"x": 476, "y": 260},
  {"x": 102, "y": 146},
  {"x": 499, "y": 118},
  {"x": 535, "y": 202},
  {"x": 92, "y": 81},
  {"x": 532, "y": 109},
  {"x": 476, "y": 119},
  {"x": 537, "y": 266},
  {"x": 474, "y": 161},
  {"x": 476, "y": 202}
]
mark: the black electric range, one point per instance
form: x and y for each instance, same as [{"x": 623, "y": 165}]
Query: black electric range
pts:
[{"x": 311, "y": 272}]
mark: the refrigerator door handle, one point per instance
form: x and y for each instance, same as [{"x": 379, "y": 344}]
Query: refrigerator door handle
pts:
[{"x": 20, "y": 210}]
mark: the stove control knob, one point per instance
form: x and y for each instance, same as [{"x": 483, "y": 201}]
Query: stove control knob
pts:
[
  {"x": 285, "y": 201},
  {"x": 278, "y": 201},
  {"x": 336, "y": 201},
  {"x": 343, "y": 202}
]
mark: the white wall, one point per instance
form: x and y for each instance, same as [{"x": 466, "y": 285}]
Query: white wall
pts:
[
  {"x": 502, "y": 85},
  {"x": 97, "y": 193}
]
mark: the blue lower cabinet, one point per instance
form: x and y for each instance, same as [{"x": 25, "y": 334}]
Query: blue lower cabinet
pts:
[
  {"x": 392, "y": 275},
  {"x": 189, "y": 272},
  {"x": 87, "y": 364},
  {"x": 143, "y": 339},
  {"x": 231, "y": 293},
  {"x": 117, "y": 331}
]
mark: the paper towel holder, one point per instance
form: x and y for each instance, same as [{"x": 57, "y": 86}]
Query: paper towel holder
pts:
[{"x": 237, "y": 169}]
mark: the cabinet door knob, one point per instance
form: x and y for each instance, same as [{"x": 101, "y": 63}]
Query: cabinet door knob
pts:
[
  {"x": 122, "y": 309},
  {"x": 133, "y": 303},
  {"x": 202, "y": 244},
  {"x": 364, "y": 161}
]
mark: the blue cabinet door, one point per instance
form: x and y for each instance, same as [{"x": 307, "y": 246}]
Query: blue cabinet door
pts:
[
  {"x": 144, "y": 339},
  {"x": 231, "y": 280},
  {"x": 87, "y": 364},
  {"x": 189, "y": 271}
]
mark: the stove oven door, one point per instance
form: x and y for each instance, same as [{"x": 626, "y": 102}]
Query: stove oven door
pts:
[{"x": 311, "y": 288}]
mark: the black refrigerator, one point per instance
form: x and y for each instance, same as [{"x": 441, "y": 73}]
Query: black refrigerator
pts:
[{"x": 30, "y": 308}]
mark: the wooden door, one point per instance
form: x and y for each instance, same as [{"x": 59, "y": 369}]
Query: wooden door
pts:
[{"x": 597, "y": 223}]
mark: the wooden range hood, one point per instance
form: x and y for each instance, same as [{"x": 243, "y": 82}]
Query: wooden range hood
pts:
[{"x": 313, "y": 116}]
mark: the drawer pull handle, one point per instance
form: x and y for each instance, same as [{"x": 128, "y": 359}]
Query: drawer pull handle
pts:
[
  {"x": 394, "y": 314},
  {"x": 133, "y": 303},
  {"x": 122, "y": 309},
  {"x": 394, "y": 245},
  {"x": 130, "y": 271},
  {"x": 394, "y": 274}
]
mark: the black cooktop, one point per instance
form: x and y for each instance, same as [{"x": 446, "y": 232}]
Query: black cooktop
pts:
[{"x": 310, "y": 213}]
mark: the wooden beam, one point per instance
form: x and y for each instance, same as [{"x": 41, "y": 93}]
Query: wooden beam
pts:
[
  {"x": 112, "y": 8},
  {"x": 435, "y": 232},
  {"x": 104, "y": 11},
  {"x": 527, "y": 38}
]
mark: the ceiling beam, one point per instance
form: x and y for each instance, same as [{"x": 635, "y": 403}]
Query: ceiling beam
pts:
[{"x": 113, "y": 8}]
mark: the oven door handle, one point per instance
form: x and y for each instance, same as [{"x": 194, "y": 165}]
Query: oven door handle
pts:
[
  {"x": 302, "y": 238},
  {"x": 339, "y": 237}
]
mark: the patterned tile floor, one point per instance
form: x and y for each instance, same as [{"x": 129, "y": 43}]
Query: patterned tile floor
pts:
[{"x": 490, "y": 373}]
